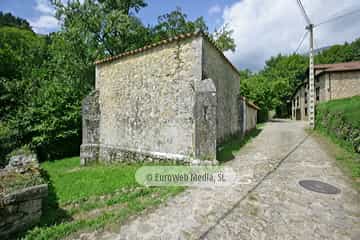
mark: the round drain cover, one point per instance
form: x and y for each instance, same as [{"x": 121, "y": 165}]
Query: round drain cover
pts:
[{"x": 320, "y": 187}]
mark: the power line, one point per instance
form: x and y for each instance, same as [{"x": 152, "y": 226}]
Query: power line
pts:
[
  {"x": 338, "y": 17},
  {"x": 303, "y": 12},
  {"x": 301, "y": 41},
  {"x": 316, "y": 45}
]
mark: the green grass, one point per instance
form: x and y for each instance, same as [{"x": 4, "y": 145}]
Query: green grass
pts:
[
  {"x": 72, "y": 182},
  {"x": 347, "y": 108},
  {"x": 75, "y": 193},
  {"x": 228, "y": 150},
  {"x": 338, "y": 127},
  {"x": 14, "y": 181},
  {"x": 92, "y": 197},
  {"x": 346, "y": 159},
  {"x": 340, "y": 119}
]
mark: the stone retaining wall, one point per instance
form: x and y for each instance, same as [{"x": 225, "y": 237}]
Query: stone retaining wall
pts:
[
  {"x": 21, "y": 209},
  {"x": 248, "y": 115}
]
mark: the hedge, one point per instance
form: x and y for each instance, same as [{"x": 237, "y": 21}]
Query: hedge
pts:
[{"x": 341, "y": 119}]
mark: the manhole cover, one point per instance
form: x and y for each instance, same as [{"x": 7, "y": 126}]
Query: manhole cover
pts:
[{"x": 319, "y": 187}]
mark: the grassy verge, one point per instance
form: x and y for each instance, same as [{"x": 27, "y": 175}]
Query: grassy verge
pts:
[
  {"x": 228, "y": 150},
  {"x": 338, "y": 128},
  {"x": 88, "y": 198},
  {"x": 346, "y": 159},
  {"x": 340, "y": 119},
  {"x": 83, "y": 199}
]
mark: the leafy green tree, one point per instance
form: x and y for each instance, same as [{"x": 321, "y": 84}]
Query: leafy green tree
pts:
[
  {"x": 44, "y": 79},
  {"x": 105, "y": 27},
  {"x": 22, "y": 53},
  {"x": 340, "y": 53},
  {"x": 8, "y": 20},
  {"x": 282, "y": 75},
  {"x": 51, "y": 122},
  {"x": 176, "y": 23},
  {"x": 223, "y": 38},
  {"x": 273, "y": 87}
]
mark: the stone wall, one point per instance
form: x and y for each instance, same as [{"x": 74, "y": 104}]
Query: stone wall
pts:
[
  {"x": 344, "y": 84},
  {"x": 299, "y": 105},
  {"x": 321, "y": 82},
  {"x": 21, "y": 191},
  {"x": 332, "y": 85},
  {"x": 205, "y": 120},
  {"x": 227, "y": 82},
  {"x": 89, "y": 150},
  {"x": 251, "y": 117},
  {"x": 147, "y": 101},
  {"x": 21, "y": 209},
  {"x": 177, "y": 100},
  {"x": 248, "y": 115}
]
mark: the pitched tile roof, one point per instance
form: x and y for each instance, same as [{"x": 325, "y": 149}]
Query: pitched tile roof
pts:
[
  {"x": 338, "y": 67},
  {"x": 250, "y": 103},
  {"x": 166, "y": 41},
  {"x": 163, "y": 42},
  {"x": 334, "y": 67},
  {"x": 147, "y": 47}
]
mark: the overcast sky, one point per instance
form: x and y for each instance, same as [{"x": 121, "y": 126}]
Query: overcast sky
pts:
[{"x": 262, "y": 28}]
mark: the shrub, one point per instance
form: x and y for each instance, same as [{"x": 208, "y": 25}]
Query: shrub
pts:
[
  {"x": 7, "y": 143},
  {"x": 341, "y": 119}
]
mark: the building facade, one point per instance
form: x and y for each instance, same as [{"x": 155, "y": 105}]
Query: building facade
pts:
[
  {"x": 332, "y": 81},
  {"x": 177, "y": 99}
]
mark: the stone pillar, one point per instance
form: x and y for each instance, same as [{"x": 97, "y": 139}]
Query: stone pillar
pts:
[
  {"x": 242, "y": 115},
  {"x": 89, "y": 150},
  {"x": 205, "y": 120}
]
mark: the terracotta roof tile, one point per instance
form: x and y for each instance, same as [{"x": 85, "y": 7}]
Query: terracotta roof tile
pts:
[
  {"x": 345, "y": 66},
  {"x": 144, "y": 48},
  {"x": 166, "y": 41}
]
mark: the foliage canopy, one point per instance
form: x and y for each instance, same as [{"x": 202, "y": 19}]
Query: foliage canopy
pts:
[{"x": 43, "y": 79}]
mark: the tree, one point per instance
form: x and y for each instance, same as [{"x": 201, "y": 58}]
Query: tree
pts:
[
  {"x": 223, "y": 38},
  {"x": 340, "y": 53},
  {"x": 273, "y": 87},
  {"x": 43, "y": 79},
  {"x": 282, "y": 75},
  {"x": 105, "y": 27},
  {"x": 176, "y": 23},
  {"x": 8, "y": 20},
  {"x": 22, "y": 53}
]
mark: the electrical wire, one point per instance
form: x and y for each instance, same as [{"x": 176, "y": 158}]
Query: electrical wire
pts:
[
  {"x": 301, "y": 6},
  {"x": 338, "y": 17},
  {"x": 301, "y": 42}
]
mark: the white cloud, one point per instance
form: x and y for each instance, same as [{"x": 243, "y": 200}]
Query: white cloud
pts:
[
  {"x": 44, "y": 6},
  {"x": 45, "y": 24},
  {"x": 214, "y": 10},
  {"x": 265, "y": 28}
]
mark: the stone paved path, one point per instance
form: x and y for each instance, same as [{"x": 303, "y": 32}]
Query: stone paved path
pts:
[{"x": 271, "y": 206}]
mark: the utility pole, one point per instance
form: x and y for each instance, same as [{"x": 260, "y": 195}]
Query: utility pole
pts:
[
  {"x": 310, "y": 27},
  {"x": 311, "y": 94}
]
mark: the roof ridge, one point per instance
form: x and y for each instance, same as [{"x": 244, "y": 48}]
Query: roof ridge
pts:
[
  {"x": 150, "y": 46},
  {"x": 337, "y": 64}
]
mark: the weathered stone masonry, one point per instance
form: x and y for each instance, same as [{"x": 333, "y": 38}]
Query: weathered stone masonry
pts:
[{"x": 177, "y": 100}]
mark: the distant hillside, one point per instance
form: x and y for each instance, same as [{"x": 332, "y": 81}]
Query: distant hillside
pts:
[{"x": 8, "y": 20}]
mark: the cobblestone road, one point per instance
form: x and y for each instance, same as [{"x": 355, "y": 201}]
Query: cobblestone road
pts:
[{"x": 272, "y": 205}]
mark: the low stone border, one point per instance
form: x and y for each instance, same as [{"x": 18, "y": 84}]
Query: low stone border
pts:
[
  {"x": 107, "y": 154},
  {"x": 21, "y": 209}
]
